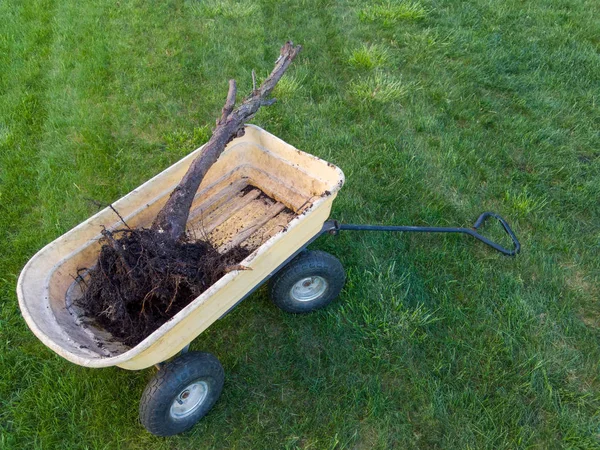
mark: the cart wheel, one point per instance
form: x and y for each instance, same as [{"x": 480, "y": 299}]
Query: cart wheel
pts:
[
  {"x": 309, "y": 282},
  {"x": 181, "y": 393}
]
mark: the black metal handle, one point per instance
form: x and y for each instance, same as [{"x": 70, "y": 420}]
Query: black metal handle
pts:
[
  {"x": 334, "y": 227},
  {"x": 482, "y": 219}
]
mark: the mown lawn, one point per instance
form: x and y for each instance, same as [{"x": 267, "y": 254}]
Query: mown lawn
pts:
[{"x": 436, "y": 111}]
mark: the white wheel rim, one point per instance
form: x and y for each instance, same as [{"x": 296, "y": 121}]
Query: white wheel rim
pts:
[
  {"x": 309, "y": 288},
  {"x": 189, "y": 400}
]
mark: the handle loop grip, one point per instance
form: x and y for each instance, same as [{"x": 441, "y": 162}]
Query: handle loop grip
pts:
[{"x": 482, "y": 219}]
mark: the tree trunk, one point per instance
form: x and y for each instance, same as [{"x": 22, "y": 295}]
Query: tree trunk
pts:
[{"x": 172, "y": 218}]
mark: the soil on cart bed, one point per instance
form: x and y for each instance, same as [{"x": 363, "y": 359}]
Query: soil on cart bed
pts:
[
  {"x": 141, "y": 279},
  {"x": 139, "y": 282}
]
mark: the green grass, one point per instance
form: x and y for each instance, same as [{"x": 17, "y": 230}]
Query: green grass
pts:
[
  {"x": 436, "y": 111},
  {"x": 369, "y": 57},
  {"x": 391, "y": 13},
  {"x": 381, "y": 87}
]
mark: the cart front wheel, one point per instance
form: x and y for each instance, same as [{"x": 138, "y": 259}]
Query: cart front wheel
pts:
[
  {"x": 309, "y": 282},
  {"x": 181, "y": 393}
]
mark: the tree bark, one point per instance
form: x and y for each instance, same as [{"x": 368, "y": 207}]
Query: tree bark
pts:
[{"x": 172, "y": 218}]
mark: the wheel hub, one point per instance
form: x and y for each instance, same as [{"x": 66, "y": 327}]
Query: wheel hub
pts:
[
  {"x": 309, "y": 288},
  {"x": 189, "y": 400}
]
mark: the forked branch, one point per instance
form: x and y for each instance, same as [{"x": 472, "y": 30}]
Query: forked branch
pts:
[{"x": 172, "y": 218}]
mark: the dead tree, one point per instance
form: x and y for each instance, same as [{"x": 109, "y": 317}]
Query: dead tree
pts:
[{"x": 172, "y": 218}]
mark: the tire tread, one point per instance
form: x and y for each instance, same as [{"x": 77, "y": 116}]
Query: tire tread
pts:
[
  {"x": 303, "y": 264},
  {"x": 160, "y": 390}
]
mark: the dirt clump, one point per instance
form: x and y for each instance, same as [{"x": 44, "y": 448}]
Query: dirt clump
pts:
[{"x": 143, "y": 278}]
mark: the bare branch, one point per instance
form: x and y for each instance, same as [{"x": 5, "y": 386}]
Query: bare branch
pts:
[
  {"x": 268, "y": 102},
  {"x": 172, "y": 218},
  {"x": 229, "y": 103}
]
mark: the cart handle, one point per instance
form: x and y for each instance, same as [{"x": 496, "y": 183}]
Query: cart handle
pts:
[{"x": 334, "y": 227}]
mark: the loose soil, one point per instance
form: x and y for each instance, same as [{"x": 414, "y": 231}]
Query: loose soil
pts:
[{"x": 143, "y": 278}]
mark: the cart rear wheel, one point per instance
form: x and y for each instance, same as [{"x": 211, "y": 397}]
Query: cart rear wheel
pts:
[
  {"x": 309, "y": 282},
  {"x": 181, "y": 393}
]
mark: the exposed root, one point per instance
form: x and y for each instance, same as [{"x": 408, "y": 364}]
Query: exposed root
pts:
[{"x": 143, "y": 278}]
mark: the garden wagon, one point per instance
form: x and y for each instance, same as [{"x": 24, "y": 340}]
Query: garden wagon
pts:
[{"x": 262, "y": 194}]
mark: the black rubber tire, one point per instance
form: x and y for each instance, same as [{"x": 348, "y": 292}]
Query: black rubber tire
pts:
[
  {"x": 310, "y": 263},
  {"x": 169, "y": 382}
]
